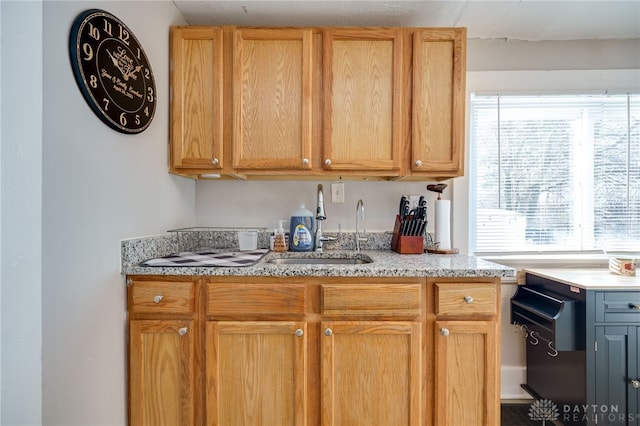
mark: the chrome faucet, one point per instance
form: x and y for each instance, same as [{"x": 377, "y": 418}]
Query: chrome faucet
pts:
[
  {"x": 359, "y": 214},
  {"x": 320, "y": 216}
]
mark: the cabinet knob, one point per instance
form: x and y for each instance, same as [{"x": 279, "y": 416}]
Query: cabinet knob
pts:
[
  {"x": 634, "y": 307},
  {"x": 305, "y": 161},
  {"x": 418, "y": 163},
  {"x": 328, "y": 332},
  {"x": 327, "y": 162},
  {"x": 183, "y": 331},
  {"x": 215, "y": 161},
  {"x": 157, "y": 298},
  {"x": 444, "y": 332},
  {"x": 468, "y": 299},
  {"x": 635, "y": 383},
  {"x": 299, "y": 332}
]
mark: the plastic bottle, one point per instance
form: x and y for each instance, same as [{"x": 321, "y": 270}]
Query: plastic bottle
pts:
[
  {"x": 279, "y": 242},
  {"x": 301, "y": 230}
]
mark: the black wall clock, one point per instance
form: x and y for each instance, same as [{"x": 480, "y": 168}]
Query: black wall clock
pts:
[{"x": 112, "y": 71}]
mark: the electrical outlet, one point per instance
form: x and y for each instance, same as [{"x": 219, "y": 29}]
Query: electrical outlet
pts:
[
  {"x": 337, "y": 192},
  {"x": 413, "y": 201}
]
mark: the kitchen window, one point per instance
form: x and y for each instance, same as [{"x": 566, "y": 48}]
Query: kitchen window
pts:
[{"x": 554, "y": 173}]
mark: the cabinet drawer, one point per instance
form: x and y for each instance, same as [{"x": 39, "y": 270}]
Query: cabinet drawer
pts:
[
  {"x": 162, "y": 297},
  {"x": 621, "y": 307},
  {"x": 239, "y": 299},
  {"x": 372, "y": 299},
  {"x": 465, "y": 299}
]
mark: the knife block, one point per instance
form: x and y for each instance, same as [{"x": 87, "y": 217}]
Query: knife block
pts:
[{"x": 404, "y": 244}]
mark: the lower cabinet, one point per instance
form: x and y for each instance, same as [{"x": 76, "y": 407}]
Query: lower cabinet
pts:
[
  {"x": 161, "y": 363},
  {"x": 311, "y": 351},
  {"x": 617, "y": 374},
  {"x": 466, "y": 348},
  {"x": 256, "y": 373},
  {"x": 371, "y": 373},
  {"x": 466, "y": 386}
]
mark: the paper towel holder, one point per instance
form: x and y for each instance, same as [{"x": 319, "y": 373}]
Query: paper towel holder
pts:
[{"x": 439, "y": 188}]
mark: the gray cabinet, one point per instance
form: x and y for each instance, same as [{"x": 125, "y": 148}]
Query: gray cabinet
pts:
[
  {"x": 616, "y": 366},
  {"x": 616, "y": 373},
  {"x": 595, "y": 382}
]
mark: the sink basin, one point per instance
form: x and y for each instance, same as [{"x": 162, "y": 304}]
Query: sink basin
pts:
[{"x": 320, "y": 261}]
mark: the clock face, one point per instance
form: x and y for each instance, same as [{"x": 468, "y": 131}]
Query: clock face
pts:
[{"x": 112, "y": 71}]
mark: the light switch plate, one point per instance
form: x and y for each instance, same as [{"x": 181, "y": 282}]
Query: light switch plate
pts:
[{"x": 337, "y": 192}]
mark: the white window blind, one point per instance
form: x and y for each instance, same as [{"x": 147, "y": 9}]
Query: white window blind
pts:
[{"x": 555, "y": 173}]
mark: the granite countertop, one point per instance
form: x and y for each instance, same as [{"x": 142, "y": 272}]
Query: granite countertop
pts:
[
  {"x": 589, "y": 278},
  {"x": 386, "y": 263}
]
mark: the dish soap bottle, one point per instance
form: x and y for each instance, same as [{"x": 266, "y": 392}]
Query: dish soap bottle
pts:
[
  {"x": 301, "y": 230},
  {"x": 279, "y": 242}
]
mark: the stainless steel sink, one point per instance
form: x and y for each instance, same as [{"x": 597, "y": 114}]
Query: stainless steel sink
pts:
[{"x": 320, "y": 261}]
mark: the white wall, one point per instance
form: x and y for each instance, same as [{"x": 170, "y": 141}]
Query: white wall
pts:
[
  {"x": 71, "y": 189},
  {"x": 21, "y": 239},
  {"x": 263, "y": 203}
]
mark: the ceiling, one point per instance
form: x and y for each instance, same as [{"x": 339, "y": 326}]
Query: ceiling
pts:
[{"x": 532, "y": 20}]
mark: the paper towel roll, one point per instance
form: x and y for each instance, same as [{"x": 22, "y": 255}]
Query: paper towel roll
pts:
[{"x": 443, "y": 224}]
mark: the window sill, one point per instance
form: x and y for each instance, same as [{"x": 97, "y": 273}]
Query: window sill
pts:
[{"x": 521, "y": 261}]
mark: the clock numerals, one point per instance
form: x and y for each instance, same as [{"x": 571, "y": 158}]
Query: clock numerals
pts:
[
  {"x": 94, "y": 32},
  {"x": 107, "y": 27},
  {"x": 150, "y": 96},
  {"x": 93, "y": 81},
  {"x": 88, "y": 51},
  {"x": 123, "y": 35}
]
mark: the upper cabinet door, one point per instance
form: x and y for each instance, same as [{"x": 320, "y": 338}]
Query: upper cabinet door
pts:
[
  {"x": 196, "y": 100},
  {"x": 362, "y": 79},
  {"x": 272, "y": 99},
  {"x": 438, "y": 119}
]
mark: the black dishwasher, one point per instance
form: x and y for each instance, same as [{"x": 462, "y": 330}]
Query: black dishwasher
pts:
[{"x": 551, "y": 317}]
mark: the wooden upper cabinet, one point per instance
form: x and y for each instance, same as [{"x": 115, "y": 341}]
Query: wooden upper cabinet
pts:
[
  {"x": 272, "y": 99},
  {"x": 438, "y": 102},
  {"x": 196, "y": 103},
  {"x": 362, "y": 87}
]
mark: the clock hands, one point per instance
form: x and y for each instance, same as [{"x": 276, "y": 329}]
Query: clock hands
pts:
[{"x": 124, "y": 64}]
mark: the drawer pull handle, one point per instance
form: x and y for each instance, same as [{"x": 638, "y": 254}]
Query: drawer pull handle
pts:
[
  {"x": 444, "y": 332},
  {"x": 183, "y": 331},
  {"x": 327, "y": 162},
  {"x": 158, "y": 298},
  {"x": 635, "y": 383},
  {"x": 305, "y": 161},
  {"x": 299, "y": 332},
  {"x": 328, "y": 332},
  {"x": 468, "y": 299},
  {"x": 634, "y": 307},
  {"x": 553, "y": 352},
  {"x": 215, "y": 161}
]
